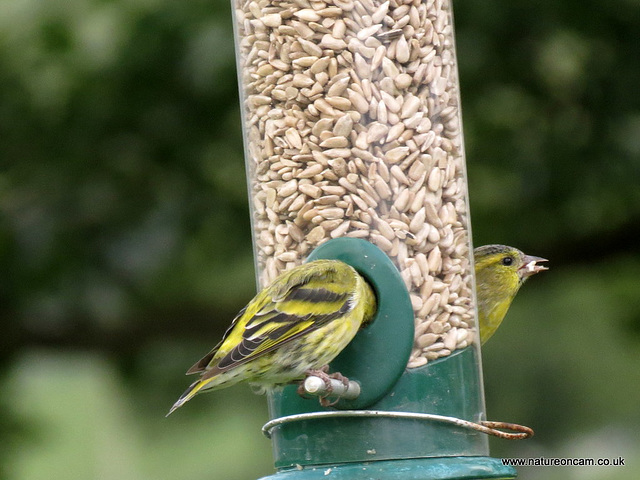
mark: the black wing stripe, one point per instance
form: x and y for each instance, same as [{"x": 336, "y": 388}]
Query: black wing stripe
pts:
[
  {"x": 280, "y": 331},
  {"x": 239, "y": 353},
  {"x": 280, "y": 317},
  {"x": 315, "y": 295}
]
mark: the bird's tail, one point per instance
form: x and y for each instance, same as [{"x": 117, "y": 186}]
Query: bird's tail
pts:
[{"x": 194, "y": 388}]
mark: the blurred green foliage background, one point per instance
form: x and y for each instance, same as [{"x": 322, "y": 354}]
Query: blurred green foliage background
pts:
[{"x": 125, "y": 245}]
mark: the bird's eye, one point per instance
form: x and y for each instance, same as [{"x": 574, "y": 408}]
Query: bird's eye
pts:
[{"x": 507, "y": 261}]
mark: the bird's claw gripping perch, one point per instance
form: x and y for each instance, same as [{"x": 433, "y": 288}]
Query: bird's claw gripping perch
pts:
[{"x": 320, "y": 384}]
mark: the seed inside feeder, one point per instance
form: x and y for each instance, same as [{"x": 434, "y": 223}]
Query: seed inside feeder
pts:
[{"x": 352, "y": 122}]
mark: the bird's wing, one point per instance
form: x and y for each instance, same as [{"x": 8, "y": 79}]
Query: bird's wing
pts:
[{"x": 276, "y": 317}]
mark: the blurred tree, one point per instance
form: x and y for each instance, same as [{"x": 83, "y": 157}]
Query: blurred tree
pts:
[
  {"x": 551, "y": 123},
  {"x": 123, "y": 179}
]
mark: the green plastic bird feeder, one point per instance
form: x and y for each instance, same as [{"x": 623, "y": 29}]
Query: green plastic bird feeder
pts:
[
  {"x": 354, "y": 151},
  {"x": 407, "y": 423}
]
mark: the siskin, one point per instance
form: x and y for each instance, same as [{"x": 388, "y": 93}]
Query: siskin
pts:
[
  {"x": 500, "y": 272},
  {"x": 294, "y": 327}
]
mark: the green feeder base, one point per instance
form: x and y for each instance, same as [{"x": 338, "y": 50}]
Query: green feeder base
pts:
[
  {"x": 429, "y": 389},
  {"x": 443, "y": 468}
]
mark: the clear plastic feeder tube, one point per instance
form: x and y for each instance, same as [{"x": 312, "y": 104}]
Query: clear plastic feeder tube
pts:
[{"x": 352, "y": 127}]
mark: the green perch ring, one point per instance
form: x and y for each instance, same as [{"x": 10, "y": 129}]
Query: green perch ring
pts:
[{"x": 366, "y": 359}]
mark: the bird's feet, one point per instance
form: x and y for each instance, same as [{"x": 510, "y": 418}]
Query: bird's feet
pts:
[{"x": 325, "y": 389}]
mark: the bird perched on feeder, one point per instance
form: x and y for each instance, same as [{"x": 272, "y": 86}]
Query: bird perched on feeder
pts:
[
  {"x": 500, "y": 272},
  {"x": 291, "y": 329}
]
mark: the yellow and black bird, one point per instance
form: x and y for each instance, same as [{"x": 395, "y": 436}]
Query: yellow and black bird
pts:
[
  {"x": 500, "y": 272},
  {"x": 295, "y": 326}
]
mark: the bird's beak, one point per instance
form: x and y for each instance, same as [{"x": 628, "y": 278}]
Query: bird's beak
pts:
[{"x": 531, "y": 266}]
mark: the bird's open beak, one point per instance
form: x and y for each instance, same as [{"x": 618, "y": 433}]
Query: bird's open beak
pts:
[{"x": 531, "y": 266}]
